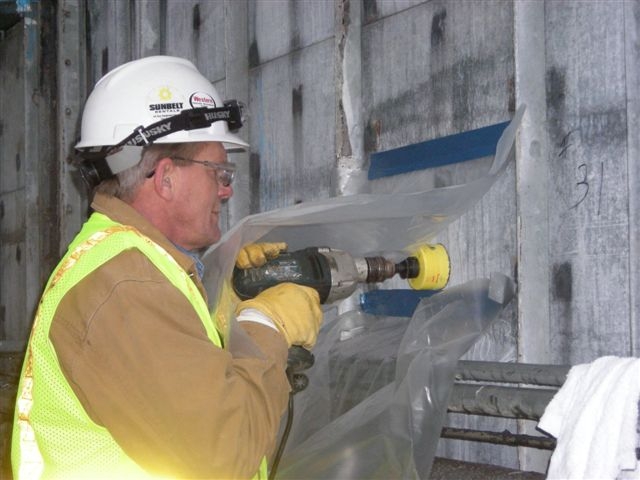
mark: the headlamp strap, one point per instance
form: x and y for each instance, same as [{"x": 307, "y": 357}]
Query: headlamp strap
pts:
[
  {"x": 189, "y": 119},
  {"x": 96, "y": 167}
]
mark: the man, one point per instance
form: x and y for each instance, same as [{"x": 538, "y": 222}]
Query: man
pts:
[{"x": 126, "y": 374}]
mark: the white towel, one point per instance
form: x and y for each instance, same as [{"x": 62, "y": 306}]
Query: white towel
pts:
[{"x": 594, "y": 417}]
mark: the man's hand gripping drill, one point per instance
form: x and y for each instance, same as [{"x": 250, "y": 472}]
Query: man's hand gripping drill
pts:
[{"x": 293, "y": 309}]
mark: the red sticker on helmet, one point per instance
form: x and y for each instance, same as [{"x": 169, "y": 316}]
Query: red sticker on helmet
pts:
[{"x": 200, "y": 99}]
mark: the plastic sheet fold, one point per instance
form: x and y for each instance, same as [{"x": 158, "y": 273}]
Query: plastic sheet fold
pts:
[{"x": 378, "y": 392}]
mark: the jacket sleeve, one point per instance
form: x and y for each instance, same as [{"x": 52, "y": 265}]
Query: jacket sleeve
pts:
[{"x": 138, "y": 358}]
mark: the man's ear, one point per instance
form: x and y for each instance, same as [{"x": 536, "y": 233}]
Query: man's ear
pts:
[{"x": 164, "y": 178}]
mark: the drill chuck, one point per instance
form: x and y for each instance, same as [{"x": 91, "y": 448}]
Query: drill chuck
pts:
[{"x": 379, "y": 269}]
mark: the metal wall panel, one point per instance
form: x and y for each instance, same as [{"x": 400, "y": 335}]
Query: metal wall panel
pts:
[
  {"x": 196, "y": 30},
  {"x": 148, "y": 38},
  {"x": 28, "y": 204},
  {"x": 236, "y": 86},
  {"x": 12, "y": 205},
  {"x": 292, "y": 137},
  {"x": 532, "y": 202},
  {"x": 111, "y": 37},
  {"x": 280, "y": 27},
  {"x": 588, "y": 161},
  {"x": 632, "y": 76},
  {"x": 13, "y": 134},
  {"x": 71, "y": 97},
  {"x": 380, "y": 9},
  {"x": 292, "y": 99}
]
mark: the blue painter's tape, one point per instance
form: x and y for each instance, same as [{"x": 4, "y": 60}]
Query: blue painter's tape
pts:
[
  {"x": 393, "y": 303},
  {"x": 455, "y": 148}
]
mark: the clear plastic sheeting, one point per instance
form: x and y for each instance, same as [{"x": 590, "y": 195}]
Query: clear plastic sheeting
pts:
[
  {"x": 378, "y": 392},
  {"x": 363, "y": 224}
]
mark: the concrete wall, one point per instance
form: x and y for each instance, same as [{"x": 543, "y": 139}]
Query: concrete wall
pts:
[{"x": 329, "y": 82}]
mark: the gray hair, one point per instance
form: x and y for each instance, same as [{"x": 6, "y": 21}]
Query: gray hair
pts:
[{"x": 125, "y": 184}]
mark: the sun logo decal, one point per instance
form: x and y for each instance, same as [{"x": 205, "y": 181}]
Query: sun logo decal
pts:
[
  {"x": 165, "y": 101},
  {"x": 164, "y": 93}
]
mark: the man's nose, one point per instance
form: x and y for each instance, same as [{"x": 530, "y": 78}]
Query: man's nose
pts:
[{"x": 225, "y": 193}]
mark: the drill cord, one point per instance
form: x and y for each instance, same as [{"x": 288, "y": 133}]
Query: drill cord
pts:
[{"x": 283, "y": 440}]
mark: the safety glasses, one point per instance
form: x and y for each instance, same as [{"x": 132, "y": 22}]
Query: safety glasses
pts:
[{"x": 226, "y": 171}]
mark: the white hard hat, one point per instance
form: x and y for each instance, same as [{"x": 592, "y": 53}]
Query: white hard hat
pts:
[{"x": 142, "y": 93}]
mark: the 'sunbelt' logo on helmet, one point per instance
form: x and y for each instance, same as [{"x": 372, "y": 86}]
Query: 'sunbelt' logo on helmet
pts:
[
  {"x": 165, "y": 106},
  {"x": 165, "y": 101},
  {"x": 200, "y": 99}
]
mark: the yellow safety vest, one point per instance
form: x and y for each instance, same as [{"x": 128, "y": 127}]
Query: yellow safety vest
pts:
[{"x": 53, "y": 437}]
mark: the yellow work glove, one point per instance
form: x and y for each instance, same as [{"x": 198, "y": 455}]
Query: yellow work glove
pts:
[
  {"x": 257, "y": 254},
  {"x": 294, "y": 309}
]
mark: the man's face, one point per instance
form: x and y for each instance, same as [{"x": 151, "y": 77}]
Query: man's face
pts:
[{"x": 199, "y": 196}]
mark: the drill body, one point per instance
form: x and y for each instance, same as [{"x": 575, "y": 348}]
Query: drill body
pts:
[
  {"x": 332, "y": 273},
  {"x": 335, "y": 274}
]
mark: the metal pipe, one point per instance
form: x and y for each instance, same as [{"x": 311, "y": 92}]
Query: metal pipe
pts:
[
  {"x": 526, "y": 373},
  {"x": 499, "y": 401},
  {"x": 499, "y": 438}
]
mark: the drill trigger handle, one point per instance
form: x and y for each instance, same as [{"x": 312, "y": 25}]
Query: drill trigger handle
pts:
[{"x": 298, "y": 360}]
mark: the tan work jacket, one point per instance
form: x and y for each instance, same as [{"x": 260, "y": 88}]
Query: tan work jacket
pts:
[{"x": 138, "y": 358}]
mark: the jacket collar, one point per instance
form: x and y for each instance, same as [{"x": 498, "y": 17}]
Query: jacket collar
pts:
[{"x": 123, "y": 213}]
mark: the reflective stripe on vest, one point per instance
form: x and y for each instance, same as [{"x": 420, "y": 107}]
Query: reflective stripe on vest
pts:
[{"x": 53, "y": 436}]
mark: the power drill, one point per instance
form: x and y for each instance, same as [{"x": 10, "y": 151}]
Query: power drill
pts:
[{"x": 335, "y": 274}]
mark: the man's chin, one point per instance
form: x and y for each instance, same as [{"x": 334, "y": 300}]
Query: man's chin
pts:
[
  {"x": 209, "y": 240},
  {"x": 214, "y": 237}
]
